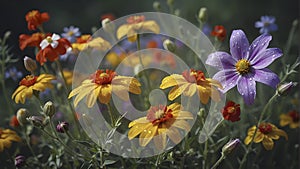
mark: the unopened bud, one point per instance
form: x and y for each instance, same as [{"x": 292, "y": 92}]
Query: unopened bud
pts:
[
  {"x": 230, "y": 146},
  {"x": 20, "y": 161},
  {"x": 30, "y": 64},
  {"x": 22, "y": 114},
  {"x": 156, "y": 6},
  {"x": 37, "y": 121},
  {"x": 170, "y": 2},
  {"x": 62, "y": 127},
  {"x": 284, "y": 88},
  {"x": 203, "y": 15},
  {"x": 49, "y": 109},
  {"x": 177, "y": 12},
  {"x": 107, "y": 25},
  {"x": 169, "y": 45}
]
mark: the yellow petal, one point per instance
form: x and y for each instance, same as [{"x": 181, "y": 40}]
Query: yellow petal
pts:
[
  {"x": 147, "y": 135},
  {"x": 174, "y": 106},
  {"x": 268, "y": 143},
  {"x": 142, "y": 120},
  {"x": 172, "y": 80},
  {"x": 125, "y": 80},
  {"x": 20, "y": 88},
  {"x": 258, "y": 137},
  {"x": 184, "y": 115},
  {"x": 174, "y": 135},
  {"x": 160, "y": 139},
  {"x": 105, "y": 94},
  {"x": 176, "y": 91},
  {"x": 1, "y": 147},
  {"x": 121, "y": 92},
  {"x": 251, "y": 130},
  {"x": 280, "y": 132},
  {"x": 136, "y": 129},
  {"x": 182, "y": 124},
  {"x": 83, "y": 92},
  {"x": 92, "y": 97},
  {"x": 248, "y": 140},
  {"x": 123, "y": 30},
  {"x": 190, "y": 90},
  {"x": 151, "y": 26},
  {"x": 295, "y": 125},
  {"x": 285, "y": 120},
  {"x": 204, "y": 94}
]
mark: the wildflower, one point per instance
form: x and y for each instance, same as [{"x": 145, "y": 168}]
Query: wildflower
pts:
[
  {"x": 284, "y": 88},
  {"x": 102, "y": 84},
  {"x": 13, "y": 73},
  {"x": 219, "y": 32},
  {"x": 68, "y": 75},
  {"x": 134, "y": 25},
  {"x": 265, "y": 133},
  {"x": 20, "y": 161},
  {"x": 30, "y": 64},
  {"x": 49, "y": 109},
  {"x": 22, "y": 115},
  {"x": 161, "y": 122},
  {"x": 246, "y": 64},
  {"x": 7, "y": 136},
  {"x": 231, "y": 111},
  {"x": 35, "y": 19},
  {"x": 86, "y": 41},
  {"x": 266, "y": 24},
  {"x": 71, "y": 33},
  {"x": 230, "y": 146},
  {"x": 14, "y": 122},
  {"x": 33, "y": 40},
  {"x": 291, "y": 119},
  {"x": 110, "y": 16},
  {"x": 62, "y": 127},
  {"x": 190, "y": 82},
  {"x": 37, "y": 121},
  {"x": 31, "y": 83},
  {"x": 51, "y": 48},
  {"x": 114, "y": 58}
]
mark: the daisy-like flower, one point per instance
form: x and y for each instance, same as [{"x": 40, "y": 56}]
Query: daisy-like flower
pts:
[
  {"x": 86, "y": 41},
  {"x": 291, "y": 119},
  {"x": 71, "y": 33},
  {"x": 161, "y": 122},
  {"x": 266, "y": 24},
  {"x": 190, "y": 82},
  {"x": 7, "y": 136},
  {"x": 231, "y": 111},
  {"x": 134, "y": 25},
  {"x": 31, "y": 83},
  {"x": 102, "y": 84},
  {"x": 35, "y": 19},
  {"x": 33, "y": 40},
  {"x": 219, "y": 32},
  {"x": 13, "y": 73},
  {"x": 246, "y": 65},
  {"x": 265, "y": 133},
  {"x": 51, "y": 48}
]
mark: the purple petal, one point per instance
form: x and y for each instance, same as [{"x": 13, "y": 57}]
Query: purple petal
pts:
[
  {"x": 258, "y": 45},
  {"x": 265, "y": 58},
  {"x": 267, "y": 77},
  {"x": 238, "y": 44},
  {"x": 259, "y": 24},
  {"x": 247, "y": 88},
  {"x": 228, "y": 78},
  {"x": 221, "y": 60}
]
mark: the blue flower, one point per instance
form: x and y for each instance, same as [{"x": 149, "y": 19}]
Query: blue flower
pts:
[
  {"x": 71, "y": 33},
  {"x": 266, "y": 24},
  {"x": 13, "y": 73}
]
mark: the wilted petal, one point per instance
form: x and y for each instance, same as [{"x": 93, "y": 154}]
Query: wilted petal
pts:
[
  {"x": 221, "y": 60},
  {"x": 265, "y": 58},
  {"x": 247, "y": 88},
  {"x": 266, "y": 76},
  {"x": 238, "y": 44},
  {"x": 258, "y": 45}
]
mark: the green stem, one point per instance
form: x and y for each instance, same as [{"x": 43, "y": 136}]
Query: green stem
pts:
[
  {"x": 29, "y": 146},
  {"x": 218, "y": 162},
  {"x": 289, "y": 41},
  {"x": 112, "y": 119}
]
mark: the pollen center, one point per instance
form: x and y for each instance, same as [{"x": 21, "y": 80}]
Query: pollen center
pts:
[
  {"x": 243, "y": 66},
  {"x": 193, "y": 76},
  {"x": 28, "y": 80},
  {"x": 265, "y": 128},
  {"x": 159, "y": 114},
  {"x": 49, "y": 39},
  {"x": 101, "y": 77}
]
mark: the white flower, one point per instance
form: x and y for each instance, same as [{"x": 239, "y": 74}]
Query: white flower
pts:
[{"x": 50, "y": 41}]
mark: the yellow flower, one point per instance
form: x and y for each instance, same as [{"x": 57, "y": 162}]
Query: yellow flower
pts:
[
  {"x": 265, "y": 133},
  {"x": 161, "y": 122},
  {"x": 291, "y": 118},
  {"x": 114, "y": 58},
  {"x": 134, "y": 25},
  {"x": 31, "y": 83},
  {"x": 189, "y": 83},
  {"x": 68, "y": 75},
  {"x": 102, "y": 84},
  {"x": 7, "y": 136},
  {"x": 86, "y": 41}
]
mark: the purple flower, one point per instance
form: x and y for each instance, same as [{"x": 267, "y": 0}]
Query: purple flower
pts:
[
  {"x": 71, "y": 33},
  {"x": 266, "y": 24},
  {"x": 246, "y": 65},
  {"x": 62, "y": 127},
  {"x": 19, "y": 161},
  {"x": 13, "y": 73}
]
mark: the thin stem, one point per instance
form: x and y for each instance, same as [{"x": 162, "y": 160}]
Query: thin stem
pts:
[
  {"x": 29, "y": 146},
  {"x": 289, "y": 41},
  {"x": 218, "y": 162},
  {"x": 112, "y": 119}
]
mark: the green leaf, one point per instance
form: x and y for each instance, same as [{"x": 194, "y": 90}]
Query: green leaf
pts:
[{"x": 108, "y": 162}]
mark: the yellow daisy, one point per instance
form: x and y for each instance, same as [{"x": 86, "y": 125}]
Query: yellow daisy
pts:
[
  {"x": 102, "y": 84},
  {"x": 265, "y": 133},
  {"x": 31, "y": 83},
  {"x": 291, "y": 119},
  {"x": 134, "y": 25},
  {"x": 7, "y": 136},
  {"x": 161, "y": 122},
  {"x": 86, "y": 41},
  {"x": 189, "y": 83}
]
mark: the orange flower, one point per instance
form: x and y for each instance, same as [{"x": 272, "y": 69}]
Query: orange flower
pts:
[
  {"x": 291, "y": 119},
  {"x": 7, "y": 136},
  {"x": 219, "y": 32},
  {"x": 231, "y": 111},
  {"x": 33, "y": 40},
  {"x": 86, "y": 41},
  {"x": 34, "y": 19},
  {"x": 52, "y": 47}
]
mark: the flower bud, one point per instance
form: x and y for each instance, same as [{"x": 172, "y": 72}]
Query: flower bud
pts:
[
  {"x": 30, "y": 64},
  {"x": 230, "y": 146},
  {"x": 20, "y": 161},
  {"x": 170, "y": 2},
  {"x": 37, "y": 121},
  {"x": 156, "y": 6},
  {"x": 62, "y": 127},
  {"x": 203, "y": 15},
  {"x": 169, "y": 45},
  {"x": 107, "y": 25},
  {"x": 284, "y": 88},
  {"x": 22, "y": 114},
  {"x": 49, "y": 109}
]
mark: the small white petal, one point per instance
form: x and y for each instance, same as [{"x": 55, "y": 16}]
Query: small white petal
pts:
[
  {"x": 44, "y": 44},
  {"x": 54, "y": 44},
  {"x": 55, "y": 37}
]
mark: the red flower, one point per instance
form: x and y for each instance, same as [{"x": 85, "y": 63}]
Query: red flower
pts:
[
  {"x": 219, "y": 32},
  {"x": 33, "y": 40},
  {"x": 110, "y": 16},
  {"x": 231, "y": 111},
  {"x": 14, "y": 122},
  {"x": 34, "y": 19},
  {"x": 51, "y": 48}
]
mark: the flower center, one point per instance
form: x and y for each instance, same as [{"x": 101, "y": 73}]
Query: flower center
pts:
[
  {"x": 29, "y": 80},
  {"x": 102, "y": 77},
  {"x": 135, "y": 19},
  {"x": 33, "y": 13},
  {"x": 83, "y": 39},
  {"x": 243, "y": 66},
  {"x": 193, "y": 76},
  {"x": 49, "y": 39},
  {"x": 159, "y": 114},
  {"x": 265, "y": 128},
  {"x": 266, "y": 24},
  {"x": 294, "y": 115},
  {"x": 70, "y": 33},
  {"x": 231, "y": 110}
]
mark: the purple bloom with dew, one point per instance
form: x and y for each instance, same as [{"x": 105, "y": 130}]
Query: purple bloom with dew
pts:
[
  {"x": 246, "y": 65},
  {"x": 71, "y": 33},
  {"x": 13, "y": 73},
  {"x": 266, "y": 24}
]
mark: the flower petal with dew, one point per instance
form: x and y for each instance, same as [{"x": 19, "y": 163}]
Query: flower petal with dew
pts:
[
  {"x": 35, "y": 19},
  {"x": 291, "y": 119},
  {"x": 161, "y": 122},
  {"x": 31, "y": 83},
  {"x": 7, "y": 136},
  {"x": 246, "y": 65},
  {"x": 102, "y": 84}
]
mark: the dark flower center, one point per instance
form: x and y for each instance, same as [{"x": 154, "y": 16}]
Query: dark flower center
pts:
[
  {"x": 29, "y": 80},
  {"x": 265, "y": 128},
  {"x": 294, "y": 115},
  {"x": 101, "y": 77},
  {"x": 159, "y": 114},
  {"x": 243, "y": 66},
  {"x": 194, "y": 76}
]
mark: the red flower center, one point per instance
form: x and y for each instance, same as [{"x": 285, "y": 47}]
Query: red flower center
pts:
[
  {"x": 265, "y": 128},
  {"x": 29, "y": 80},
  {"x": 194, "y": 76},
  {"x": 295, "y": 116},
  {"x": 231, "y": 111},
  {"x": 102, "y": 77},
  {"x": 159, "y": 114},
  {"x": 135, "y": 19}
]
